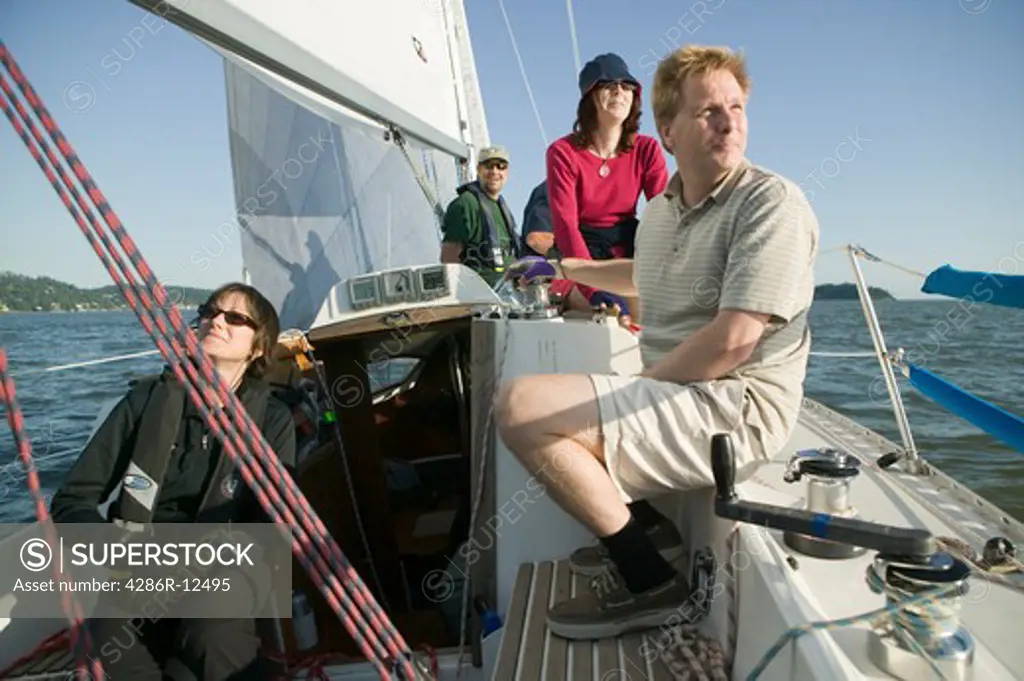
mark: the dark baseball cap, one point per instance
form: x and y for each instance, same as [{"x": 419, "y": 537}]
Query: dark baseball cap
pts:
[{"x": 605, "y": 68}]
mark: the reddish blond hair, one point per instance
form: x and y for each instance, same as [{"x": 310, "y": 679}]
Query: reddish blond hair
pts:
[{"x": 692, "y": 60}]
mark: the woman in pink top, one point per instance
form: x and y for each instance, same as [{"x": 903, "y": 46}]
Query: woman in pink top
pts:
[{"x": 596, "y": 173}]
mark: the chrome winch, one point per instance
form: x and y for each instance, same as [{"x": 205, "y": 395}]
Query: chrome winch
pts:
[
  {"x": 527, "y": 300},
  {"x": 829, "y": 473},
  {"x": 919, "y": 631},
  {"x": 929, "y": 632},
  {"x": 536, "y": 297}
]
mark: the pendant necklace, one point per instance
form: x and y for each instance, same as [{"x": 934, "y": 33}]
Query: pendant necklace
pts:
[{"x": 604, "y": 169}]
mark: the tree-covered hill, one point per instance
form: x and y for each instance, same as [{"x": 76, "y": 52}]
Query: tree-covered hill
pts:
[
  {"x": 20, "y": 293},
  {"x": 848, "y": 291}
]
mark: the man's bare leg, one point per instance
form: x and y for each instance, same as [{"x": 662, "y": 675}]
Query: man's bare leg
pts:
[{"x": 551, "y": 423}]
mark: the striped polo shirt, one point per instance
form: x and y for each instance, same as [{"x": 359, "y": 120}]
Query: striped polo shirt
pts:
[{"x": 749, "y": 245}]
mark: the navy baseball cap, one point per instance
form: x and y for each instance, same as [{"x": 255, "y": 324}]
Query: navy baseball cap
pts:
[{"x": 605, "y": 68}]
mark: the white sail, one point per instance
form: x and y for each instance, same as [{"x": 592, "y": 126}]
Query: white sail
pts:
[
  {"x": 388, "y": 58},
  {"x": 350, "y": 128}
]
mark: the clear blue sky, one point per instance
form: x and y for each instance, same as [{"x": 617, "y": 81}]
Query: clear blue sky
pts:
[{"x": 931, "y": 87}]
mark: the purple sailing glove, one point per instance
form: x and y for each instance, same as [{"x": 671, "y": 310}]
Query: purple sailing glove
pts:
[
  {"x": 609, "y": 300},
  {"x": 530, "y": 267}
]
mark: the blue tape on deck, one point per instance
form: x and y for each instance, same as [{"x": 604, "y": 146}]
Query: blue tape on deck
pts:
[{"x": 819, "y": 525}]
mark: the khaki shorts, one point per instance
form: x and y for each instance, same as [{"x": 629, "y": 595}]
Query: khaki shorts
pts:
[{"x": 657, "y": 435}]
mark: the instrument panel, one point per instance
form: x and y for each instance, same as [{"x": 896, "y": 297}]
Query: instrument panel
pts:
[{"x": 410, "y": 285}]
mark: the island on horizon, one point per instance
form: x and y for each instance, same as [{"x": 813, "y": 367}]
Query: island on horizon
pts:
[
  {"x": 21, "y": 293},
  {"x": 848, "y": 291}
]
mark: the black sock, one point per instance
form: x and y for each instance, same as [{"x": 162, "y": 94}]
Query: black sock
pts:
[
  {"x": 646, "y": 514},
  {"x": 638, "y": 561}
]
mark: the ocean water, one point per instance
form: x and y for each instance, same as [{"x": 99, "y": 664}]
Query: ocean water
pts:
[{"x": 977, "y": 348}]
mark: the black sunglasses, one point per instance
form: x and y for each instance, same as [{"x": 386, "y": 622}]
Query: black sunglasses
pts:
[
  {"x": 613, "y": 84},
  {"x": 207, "y": 311}
]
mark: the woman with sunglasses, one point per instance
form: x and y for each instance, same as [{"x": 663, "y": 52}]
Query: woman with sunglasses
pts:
[
  {"x": 156, "y": 447},
  {"x": 595, "y": 176},
  {"x": 596, "y": 173}
]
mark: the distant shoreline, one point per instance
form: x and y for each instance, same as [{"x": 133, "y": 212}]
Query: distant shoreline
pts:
[
  {"x": 20, "y": 293},
  {"x": 86, "y": 310}
]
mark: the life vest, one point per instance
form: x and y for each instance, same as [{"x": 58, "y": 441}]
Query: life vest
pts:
[
  {"x": 489, "y": 254},
  {"x": 156, "y": 438}
]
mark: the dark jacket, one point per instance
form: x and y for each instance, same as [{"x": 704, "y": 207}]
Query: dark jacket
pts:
[
  {"x": 186, "y": 493},
  {"x": 537, "y": 214}
]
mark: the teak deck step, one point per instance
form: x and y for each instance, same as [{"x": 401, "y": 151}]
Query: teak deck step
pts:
[
  {"x": 529, "y": 652},
  {"x": 52, "y": 664}
]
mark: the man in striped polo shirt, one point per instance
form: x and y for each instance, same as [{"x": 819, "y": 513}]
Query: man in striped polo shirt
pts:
[{"x": 723, "y": 267}]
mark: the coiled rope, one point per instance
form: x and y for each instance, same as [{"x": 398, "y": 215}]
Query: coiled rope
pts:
[
  {"x": 80, "y": 640},
  {"x": 877, "y": 619},
  {"x": 925, "y": 621},
  {"x": 375, "y": 635}
]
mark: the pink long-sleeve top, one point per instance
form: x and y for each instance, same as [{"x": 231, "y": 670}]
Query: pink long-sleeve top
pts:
[{"x": 578, "y": 195}]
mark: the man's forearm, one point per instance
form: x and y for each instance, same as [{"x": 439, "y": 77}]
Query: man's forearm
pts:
[
  {"x": 614, "y": 276},
  {"x": 708, "y": 354}
]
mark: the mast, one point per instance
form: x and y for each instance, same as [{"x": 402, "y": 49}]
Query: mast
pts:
[{"x": 475, "y": 116}]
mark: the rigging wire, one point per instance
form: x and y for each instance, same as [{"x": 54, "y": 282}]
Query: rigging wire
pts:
[
  {"x": 572, "y": 36},
  {"x": 522, "y": 72},
  {"x": 871, "y": 257},
  {"x": 90, "y": 362}
]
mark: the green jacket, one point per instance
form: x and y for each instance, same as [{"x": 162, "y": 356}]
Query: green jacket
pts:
[{"x": 466, "y": 224}]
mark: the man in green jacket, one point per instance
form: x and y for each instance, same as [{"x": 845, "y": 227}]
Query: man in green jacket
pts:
[{"x": 479, "y": 230}]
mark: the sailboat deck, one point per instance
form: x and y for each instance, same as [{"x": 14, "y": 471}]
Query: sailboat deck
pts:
[
  {"x": 785, "y": 588},
  {"x": 529, "y": 651}
]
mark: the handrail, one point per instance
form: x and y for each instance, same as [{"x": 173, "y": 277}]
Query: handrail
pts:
[{"x": 882, "y": 353}]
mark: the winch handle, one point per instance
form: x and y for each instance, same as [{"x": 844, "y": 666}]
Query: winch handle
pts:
[
  {"x": 723, "y": 466},
  {"x": 910, "y": 542}
]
